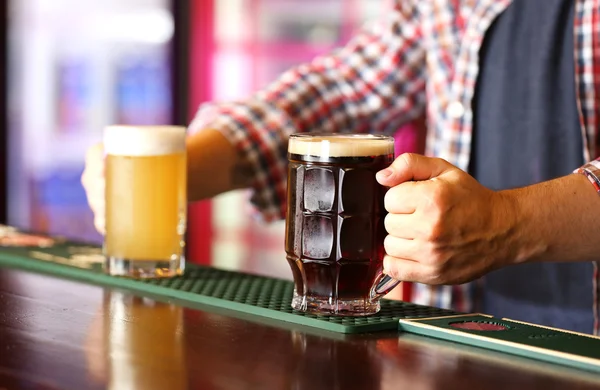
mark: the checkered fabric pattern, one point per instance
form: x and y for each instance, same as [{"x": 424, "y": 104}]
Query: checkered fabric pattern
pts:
[{"x": 422, "y": 59}]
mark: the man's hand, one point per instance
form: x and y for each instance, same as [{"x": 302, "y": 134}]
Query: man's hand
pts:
[
  {"x": 444, "y": 227},
  {"x": 93, "y": 183},
  {"x": 213, "y": 168}
]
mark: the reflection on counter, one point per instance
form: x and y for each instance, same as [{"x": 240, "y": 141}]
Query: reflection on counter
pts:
[
  {"x": 141, "y": 343},
  {"x": 330, "y": 359},
  {"x": 438, "y": 360}
]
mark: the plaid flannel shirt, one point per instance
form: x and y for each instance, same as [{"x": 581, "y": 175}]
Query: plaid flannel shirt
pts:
[{"x": 422, "y": 59}]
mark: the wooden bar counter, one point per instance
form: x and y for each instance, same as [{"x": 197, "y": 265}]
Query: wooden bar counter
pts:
[{"x": 60, "y": 334}]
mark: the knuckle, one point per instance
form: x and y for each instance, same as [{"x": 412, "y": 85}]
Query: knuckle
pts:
[
  {"x": 389, "y": 245},
  {"x": 435, "y": 233},
  {"x": 99, "y": 220},
  {"x": 99, "y": 224},
  {"x": 95, "y": 151},
  {"x": 96, "y": 201},
  {"x": 408, "y": 158},
  {"x": 389, "y": 223},
  {"x": 390, "y": 201},
  {"x": 439, "y": 194},
  {"x": 94, "y": 157}
]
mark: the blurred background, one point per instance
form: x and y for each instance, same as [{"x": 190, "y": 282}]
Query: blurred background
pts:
[{"x": 72, "y": 67}]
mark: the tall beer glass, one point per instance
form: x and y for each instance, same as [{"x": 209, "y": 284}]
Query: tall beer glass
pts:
[
  {"x": 145, "y": 200},
  {"x": 335, "y": 222}
]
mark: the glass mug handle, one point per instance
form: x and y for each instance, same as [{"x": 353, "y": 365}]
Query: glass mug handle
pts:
[{"x": 385, "y": 284}]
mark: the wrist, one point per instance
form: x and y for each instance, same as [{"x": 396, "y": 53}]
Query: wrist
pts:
[
  {"x": 591, "y": 171},
  {"x": 555, "y": 220},
  {"x": 524, "y": 243}
]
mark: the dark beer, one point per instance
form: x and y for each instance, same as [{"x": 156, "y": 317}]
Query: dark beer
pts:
[{"x": 335, "y": 221}]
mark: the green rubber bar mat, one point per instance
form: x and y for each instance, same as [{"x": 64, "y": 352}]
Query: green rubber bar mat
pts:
[
  {"x": 250, "y": 294},
  {"x": 532, "y": 341}
]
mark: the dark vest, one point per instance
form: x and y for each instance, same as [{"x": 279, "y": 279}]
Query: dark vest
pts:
[{"x": 526, "y": 131}]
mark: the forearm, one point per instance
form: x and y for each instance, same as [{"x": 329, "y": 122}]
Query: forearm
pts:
[
  {"x": 557, "y": 220},
  {"x": 339, "y": 92},
  {"x": 213, "y": 165}
]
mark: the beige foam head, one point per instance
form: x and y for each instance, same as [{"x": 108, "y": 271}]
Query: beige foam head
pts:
[
  {"x": 359, "y": 145},
  {"x": 144, "y": 140}
]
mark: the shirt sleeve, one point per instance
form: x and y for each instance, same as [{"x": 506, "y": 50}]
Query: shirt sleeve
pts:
[{"x": 373, "y": 84}]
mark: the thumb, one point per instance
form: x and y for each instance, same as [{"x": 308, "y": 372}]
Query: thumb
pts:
[{"x": 412, "y": 167}]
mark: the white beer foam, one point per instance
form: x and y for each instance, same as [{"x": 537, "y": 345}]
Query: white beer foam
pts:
[
  {"x": 341, "y": 146},
  {"x": 144, "y": 140}
]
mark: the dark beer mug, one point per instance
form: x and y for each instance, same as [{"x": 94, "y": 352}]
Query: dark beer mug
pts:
[{"x": 335, "y": 222}]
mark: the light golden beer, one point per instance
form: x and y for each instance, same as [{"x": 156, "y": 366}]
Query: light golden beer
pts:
[{"x": 145, "y": 200}]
